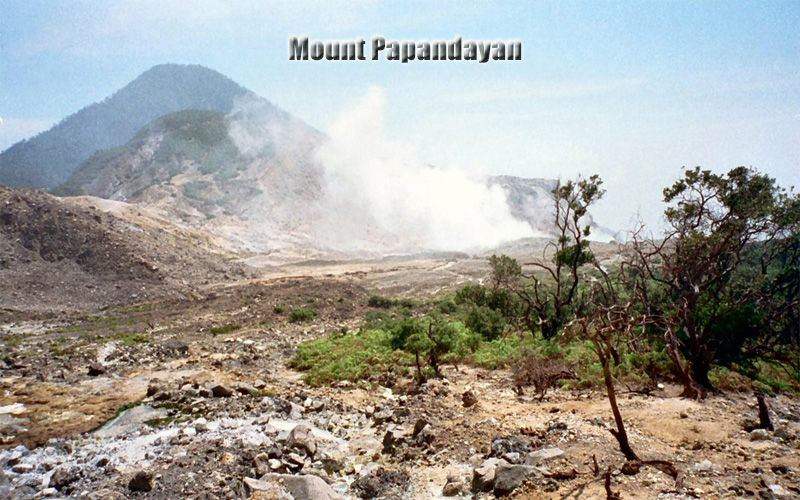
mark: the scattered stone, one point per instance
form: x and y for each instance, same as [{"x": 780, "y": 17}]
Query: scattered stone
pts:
[
  {"x": 782, "y": 433},
  {"x": 141, "y": 481},
  {"x": 307, "y": 486},
  {"x": 779, "y": 491},
  {"x": 267, "y": 490},
  {"x": 64, "y": 477},
  {"x": 706, "y": 466},
  {"x": 420, "y": 424},
  {"x": 426, "y": 436},
  {"x": 302, "y": 437},
  {"x": 509, "y": 477},
  {"x": 483, "y": 477},
  {"x": 759, "y": 435},
  {"x": 22, "y": 468},
  {"x": 382, "y": 416},
  {"x": 381, "y": 482},
  {"x": 96, "y": 369},
  {"x": 333, "y": 461},
  {"x": 469, "y": 399},
  {"x": 391, "y": 440},
  {"x": 542, "y": 455},
  {"x": 204, "y": 392},
  {"x": 259, "y": 384},
  {"x": 631, "y": 467},
  {"x": 175, "y": 347},
  {"x": 508, "y": 444},
  {"x": 453, "y": 487},
  {"x": 221, "y": 391},
  {"x": 245, "y": 388},
  {"x": 261, "y": 463}
]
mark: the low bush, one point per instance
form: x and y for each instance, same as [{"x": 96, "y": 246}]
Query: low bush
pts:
[
  {"x": 219, "y": 330},
  {"x": 301, "y": 314},
  {"x": 364, "y": 355}
]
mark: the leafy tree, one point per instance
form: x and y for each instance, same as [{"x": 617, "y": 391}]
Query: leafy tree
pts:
[
  {"x": 550, "y": 301},
  {"x": 695, "y": 282}
]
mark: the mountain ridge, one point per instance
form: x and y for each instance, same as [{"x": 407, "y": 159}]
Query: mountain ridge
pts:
[{"x": 49, "y": 158}]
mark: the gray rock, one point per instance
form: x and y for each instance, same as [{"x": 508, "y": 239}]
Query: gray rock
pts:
[
  {"x": 420, "y": 424},
  {"x": 302, "y": 437},
  {"x": 307, "y": 487},
  {"x": 245, "y": 388},
  {"x": 484, "y": 476},
  {"x": 469, "y": 399},
  {"x": 96, "y": 369},
  {"x": 141, "y": 481},
  {"x": 783, "y": 433},
  {"x": 259, "y": 384},
  {"x": 391, "y": 440},
  {"x": 267, "y": 489},
  {"x": 22, "y": 468},
  {"x": 779, "y": 491},
  {"x": 539, "y": 456},
  {"x": 221, "y": 391},
  {"x": 759, "y": 435},
  {"x": 705, "y": 467},
  {"x": 509, "y": 477},
  {"x": 175, "y": 347},
  {"x": 64, "y": 477},
  {"x": 261, "y": 463},
  {"x": 365, "y": 446},
  {"x": 333, "y": 461},
  {"x": 426, "y": 436},
  {"x": 382, "y": 416},
  {"x": 453, "y": 487}
]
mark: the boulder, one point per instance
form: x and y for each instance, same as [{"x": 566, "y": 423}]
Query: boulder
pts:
[
  {"x": 509, "y": 477},
  {"x": 302, "y": 437},
  {"x": 484, "y": 476},
  {"x": 307, "y": 486},
  {"x": 760, "y": 435},
  {"x": 221, "y": 391},
  {"x": 141, "y": 481},
  {"x": 542, "y": 455},
  {"x": 96, "y": 369},
  {"x": 469, "y": 399}
]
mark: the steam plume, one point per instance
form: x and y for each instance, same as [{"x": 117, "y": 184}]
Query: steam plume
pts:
[{"x": 378, "y": 196}]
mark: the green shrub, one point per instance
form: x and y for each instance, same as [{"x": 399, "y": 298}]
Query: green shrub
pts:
[
  {"x": 381, "y": 302},
  {"x": 279, "y": 309},
  {"x": 499, "y": 353},
  {"x": 301, "y": 314},
  {"x": 219, "y": 330},
  {"x": 486, "y": 322},
  {"x": 351, "y": 357}
]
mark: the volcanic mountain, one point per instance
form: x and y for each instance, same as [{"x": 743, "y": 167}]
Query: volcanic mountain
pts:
[{"x": 48, "y": 159}]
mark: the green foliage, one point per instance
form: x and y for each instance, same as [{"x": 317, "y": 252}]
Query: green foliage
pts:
[
  {"x": 488, "y": 323},
  {"x": 219, "y": 330},
  {"x": 300, "y": 314},
  {"x": 363, "y": 355},
  {"x": 382, "y": 302},
  {"x": 279, "y": 309},
  {"x": 499, "y": 353}
]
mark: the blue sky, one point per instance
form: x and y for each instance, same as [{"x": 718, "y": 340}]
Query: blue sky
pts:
[{"x": 630, "y": 90}]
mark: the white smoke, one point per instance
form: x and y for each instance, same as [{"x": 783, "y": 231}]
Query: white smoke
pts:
[{"x": 378, "y": 196}]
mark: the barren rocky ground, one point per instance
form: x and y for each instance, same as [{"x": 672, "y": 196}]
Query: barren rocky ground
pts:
[{"x": 174, "y": 384}]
